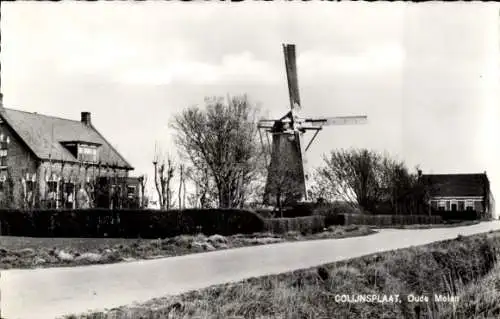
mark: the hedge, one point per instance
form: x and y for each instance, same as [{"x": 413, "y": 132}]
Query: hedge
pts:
[
  {"x": 458, "y": 215},
  {"x": 387, "y": 220},
  {"x": 305, "y": 225},
  {"x": 128, "y": 223},
  {"x": 300, "y": 210},
  {"x": 334, "y": 212}
]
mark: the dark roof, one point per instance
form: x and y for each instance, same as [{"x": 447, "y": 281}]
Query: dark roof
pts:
[
  {"x": 44, "y": 134},
  {"x": 457, "y": 184}
]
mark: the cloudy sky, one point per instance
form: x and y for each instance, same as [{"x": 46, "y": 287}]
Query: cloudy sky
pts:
[{"x": 425, "y": 74}]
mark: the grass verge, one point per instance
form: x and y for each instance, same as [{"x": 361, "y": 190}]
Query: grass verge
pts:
[
  {"x": 443, "y": 225},
  {"x": 28, "y": 252},
  {"x": 465, "y": 268}
]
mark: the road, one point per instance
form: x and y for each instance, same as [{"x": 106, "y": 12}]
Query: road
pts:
[{"x": 52, "y": 292}]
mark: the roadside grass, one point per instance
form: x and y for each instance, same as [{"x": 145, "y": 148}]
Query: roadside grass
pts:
[
  {"x": 465, "y": 267},
  {"x": 444, "y": 225},
  {"x": 480, "y": 299},
  {"x": 29, "y": 252}
]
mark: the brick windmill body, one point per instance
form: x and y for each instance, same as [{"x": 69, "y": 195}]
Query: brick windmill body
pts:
[{"x": 287, "y": 176}]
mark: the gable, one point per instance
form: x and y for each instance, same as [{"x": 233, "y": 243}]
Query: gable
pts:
[{"x": 45, "y": 136}]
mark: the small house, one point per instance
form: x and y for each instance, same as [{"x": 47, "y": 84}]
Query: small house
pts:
[
  {"x": 52, "y": 162},
  {"x": 460, "y": 192}
]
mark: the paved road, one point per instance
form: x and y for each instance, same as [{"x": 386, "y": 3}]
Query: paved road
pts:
[{"x": 48, "y": 293}]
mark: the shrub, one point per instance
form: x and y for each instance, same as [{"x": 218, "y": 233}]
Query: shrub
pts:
[
  {"x": 334, "y": 212},
  {"x": 307, "y": 225},
  {"x": 300, "y": 210},
  {"x": 264, "y": 212}
]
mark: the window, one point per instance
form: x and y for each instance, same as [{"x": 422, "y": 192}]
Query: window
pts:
[
  {"x": 130, "y": 191},
  {"x": 3, "y": 157},
  {"x": 30, "y": 188},
  {"x": 52, "y": 186},
  {"x": 454, "y": 205},
  {"x": 442, "y": 205},
  {"x": 461, "y": 205},
  {"x": 52, "y": 190},
  {"x": 87, "y": 153},
  {"x": 469, "y": 205},
  {"x": 68, "y": 194}
]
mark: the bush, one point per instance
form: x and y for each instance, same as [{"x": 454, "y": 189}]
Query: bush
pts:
[
  {"x": 334, "y": 212},
  {"x": 304, "y": 225},
  {"x": 300, "y": 210},
  {"x": 128, "y": 223},
  {"x": 265, "y": 212}
]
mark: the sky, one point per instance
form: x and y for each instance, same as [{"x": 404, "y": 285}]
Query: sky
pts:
[{"x": 426, "y": 75}]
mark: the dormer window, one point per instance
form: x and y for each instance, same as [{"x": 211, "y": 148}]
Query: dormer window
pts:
[{"x": 87, "y": 153}]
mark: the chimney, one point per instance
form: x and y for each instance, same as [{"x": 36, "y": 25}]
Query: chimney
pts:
[{"x": 86, "y": 118}]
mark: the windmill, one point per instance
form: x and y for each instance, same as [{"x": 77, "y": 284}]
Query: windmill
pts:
[{"x": 287, "y": 172}]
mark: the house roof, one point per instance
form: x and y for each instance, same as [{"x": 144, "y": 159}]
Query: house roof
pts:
[
  {"x": 44, "y": 134},
  {"x": 457, "y": 184}
]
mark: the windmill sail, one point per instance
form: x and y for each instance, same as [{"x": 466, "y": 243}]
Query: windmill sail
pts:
[
  {"x": 291, "y": 75},
  {"x": 287, "y": 176},
  {"x": 340, "y": 120}
]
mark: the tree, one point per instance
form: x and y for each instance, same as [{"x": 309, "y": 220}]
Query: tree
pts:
[
  {"x": 221, "y": 142},
  {"x": 163, "y": 174},
  {"x": 143, "y": 180},
  {"x": 183, "y": 175},
  {"x": 370, "y": 180},
  {"x": 351, "y": 175},
  {"x": 405, "y": 190},
  {"x": 205, "y": 195}
]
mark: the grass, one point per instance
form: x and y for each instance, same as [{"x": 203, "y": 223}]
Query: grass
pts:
[
  {"x": 428, "y": 226},
  {"x": 28, "y": 252},
  {"x": 465, "y": 267}
]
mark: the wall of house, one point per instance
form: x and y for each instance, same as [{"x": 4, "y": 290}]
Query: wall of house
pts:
[
  {"x": 20, "y": 161},
  {"x": 76, "y": 173},
  {"x": 478, "y": 202}
]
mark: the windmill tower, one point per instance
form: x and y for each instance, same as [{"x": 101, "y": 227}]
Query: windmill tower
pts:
[{"x": 287, "y": 176}]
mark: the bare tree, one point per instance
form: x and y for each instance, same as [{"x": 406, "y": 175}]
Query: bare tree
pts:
[
  {"x": 369, "y": 179},
  {"x": 183, "y": 179},
  {"x": 350, "y": 175},
  {"x": 182, "y": 187},
  {"x": 205, "y": 194},
  {"x": 221, "y": 142},
  {"x": 164, "y": 172},
  {"x": 143, "y": 180},
  {"x": 170, "y": 174}
]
